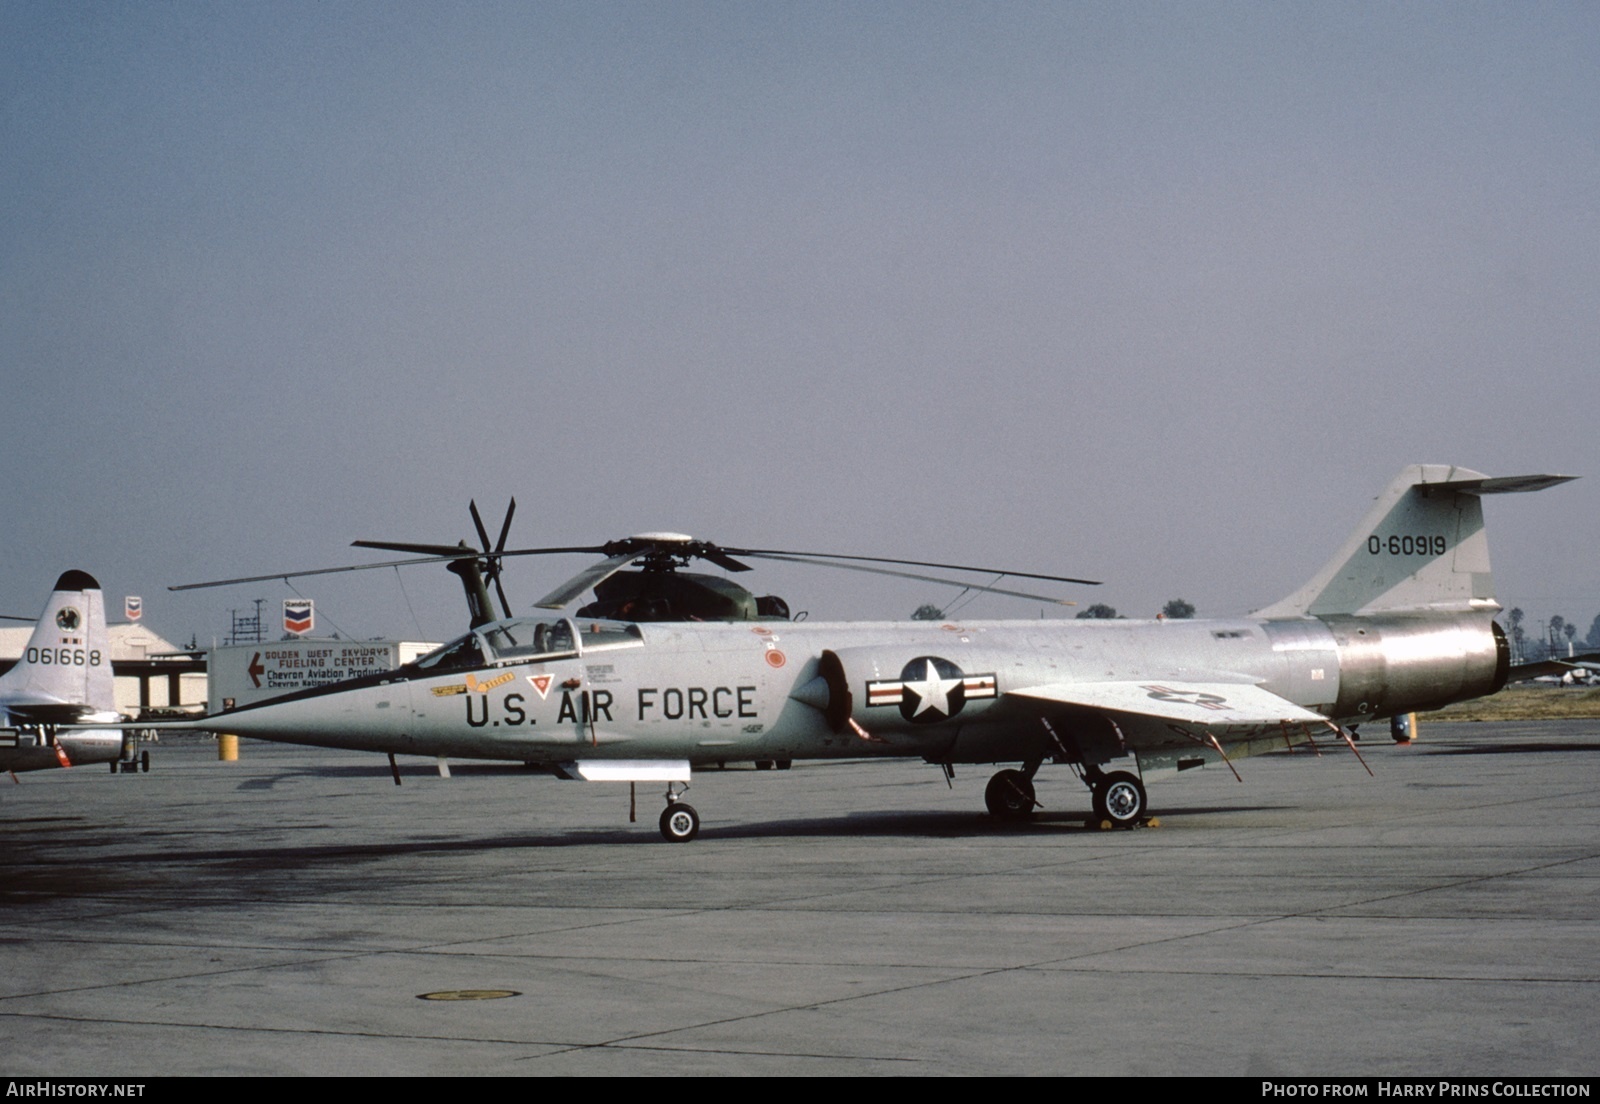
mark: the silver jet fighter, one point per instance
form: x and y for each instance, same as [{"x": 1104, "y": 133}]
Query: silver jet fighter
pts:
[
  {"x": 63, "y": 678},
  {"x": 1399, "y": 620}
]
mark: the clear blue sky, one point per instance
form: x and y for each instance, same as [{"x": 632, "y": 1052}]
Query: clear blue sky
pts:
[{"x": 1160, "y": 294}]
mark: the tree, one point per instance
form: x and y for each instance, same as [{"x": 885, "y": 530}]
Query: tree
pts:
[
  {"x": 1515, "y": 619},
  {"x": 1177, "y": 610},
  {"x": 928, "y": 612},
  {"x": 1553, "y": 634},
  {"x": 1099, "y": 611},
  {"x": 1593, "y": 638}
]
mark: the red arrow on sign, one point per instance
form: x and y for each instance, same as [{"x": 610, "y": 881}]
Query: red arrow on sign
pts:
[{"x": 256, "y": 670}]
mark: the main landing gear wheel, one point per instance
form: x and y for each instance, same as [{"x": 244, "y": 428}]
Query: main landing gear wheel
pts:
[
  {"x": 1119, "y": 797},
  {"x": 1009, "y": 795},
  {"x": 679, "y": 823}
]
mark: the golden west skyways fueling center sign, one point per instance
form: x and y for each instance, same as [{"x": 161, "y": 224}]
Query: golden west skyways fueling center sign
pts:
[{"x": 242, "y": 674}]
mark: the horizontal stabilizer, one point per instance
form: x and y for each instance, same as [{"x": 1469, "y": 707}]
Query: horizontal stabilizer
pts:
[
  {"x": 22, "y": 700},
  {"x": 1505, "y": 484}
]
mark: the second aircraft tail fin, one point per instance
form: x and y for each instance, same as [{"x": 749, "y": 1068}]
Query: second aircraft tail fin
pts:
[{"x": 65, "y": 671}]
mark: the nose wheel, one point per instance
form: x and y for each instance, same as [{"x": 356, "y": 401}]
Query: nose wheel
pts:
[{"x": 679, "y": 823}]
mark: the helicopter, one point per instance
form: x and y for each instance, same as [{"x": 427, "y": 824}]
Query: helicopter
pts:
[
  {"x": 1400, "y": 619},
  {"x": 659, "y": 589}
]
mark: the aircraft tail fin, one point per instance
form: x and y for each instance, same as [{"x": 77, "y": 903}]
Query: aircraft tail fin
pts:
[
  {"x": 65, "y": 671},
  {"x": 1422, "y": 546}
]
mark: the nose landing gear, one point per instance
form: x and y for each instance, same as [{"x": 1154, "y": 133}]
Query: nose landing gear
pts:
[{"x": 679, "y": 821}]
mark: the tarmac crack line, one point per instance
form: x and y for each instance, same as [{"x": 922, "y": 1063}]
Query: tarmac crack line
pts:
[
  {"x": 193, "y": 975},
  {"x": 190, "y": 1025},
  {"x": 1328, "y": 975},
  {"x": 627, "y": 1040},
  {"x": 1457, "y": 883},
  {"x": 732, "y": 1051}
]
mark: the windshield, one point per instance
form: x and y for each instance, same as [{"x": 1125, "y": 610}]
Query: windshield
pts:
[
  {"x": 530, "y": 639},
  {"x": 519, "y": 640},
  {"x": 461, "y": 652}
]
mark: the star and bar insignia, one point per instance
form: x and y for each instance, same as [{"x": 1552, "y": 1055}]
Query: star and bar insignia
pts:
[{"x": 930, "y": 689}]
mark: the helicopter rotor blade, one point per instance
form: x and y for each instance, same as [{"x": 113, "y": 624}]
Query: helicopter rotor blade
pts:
[
  {"x": 593, "y": 576},
  {"x": 717, "y": 556},
  {"x": 449, "y": 550},
  {"x": 477, "y": 522},
  {"x": 505, "y": 526},
  {"x": 804, "y": 557},
  {"x": 425, "y": 554},
  {"x": 816, "y": 561},
  {"x": 318, "y": 571},
  {"x": 499, "y": 546},
  {"x": 492, "y": 555}
]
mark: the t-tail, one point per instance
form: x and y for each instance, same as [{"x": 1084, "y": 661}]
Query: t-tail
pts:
[
  {"x": 62, "y": 677},
  {"x": 1421, "y": 548},
  {"x": 1409, "y": 600}
]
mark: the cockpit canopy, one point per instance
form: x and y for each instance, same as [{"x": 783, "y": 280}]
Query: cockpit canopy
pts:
[{"x": 530, "y": 639}]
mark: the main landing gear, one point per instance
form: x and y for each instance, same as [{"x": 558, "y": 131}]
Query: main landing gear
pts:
[
  {"x": 1009, "y": 794},
  {"x": 133, "y": 764},
  {"x": 679, "y": 821},
  {"x": 1118, "y": 797}
]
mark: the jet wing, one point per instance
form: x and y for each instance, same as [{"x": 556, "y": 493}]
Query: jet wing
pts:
[
  {"x": 1183, "y": 723},
  {"x": 1224, "y": 705}
]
